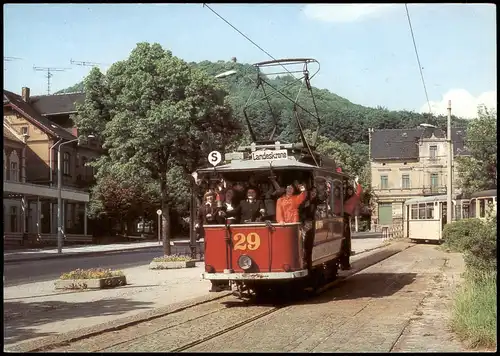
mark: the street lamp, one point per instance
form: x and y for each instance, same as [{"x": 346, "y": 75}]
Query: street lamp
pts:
[
  {"x": 192, "y": 204},
  {"x": 59, "y": 194},
  {"x": 226, "y": 74}
]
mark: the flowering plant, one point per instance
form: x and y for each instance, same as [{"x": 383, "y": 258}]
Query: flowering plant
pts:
[
  {"x": 93, "y": 273},
  {"x": 172, "y": 258}
]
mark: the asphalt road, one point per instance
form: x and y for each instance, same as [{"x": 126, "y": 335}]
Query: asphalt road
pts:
[{"x": 45, "y": 270}]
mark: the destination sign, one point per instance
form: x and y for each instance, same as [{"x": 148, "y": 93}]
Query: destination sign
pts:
[{"x": 269, "y": 155}]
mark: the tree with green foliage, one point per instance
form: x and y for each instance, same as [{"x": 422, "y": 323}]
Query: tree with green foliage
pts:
[
  {"x": 478, "y": 171},
  {"x": 156, "y": 113}
]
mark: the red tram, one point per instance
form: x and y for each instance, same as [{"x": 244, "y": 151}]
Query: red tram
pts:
[
  {"x": 267, "y": 254},
  {"x": 259, "y": 255}
]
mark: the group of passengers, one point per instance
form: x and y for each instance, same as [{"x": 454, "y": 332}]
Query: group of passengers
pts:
[
  {"x": 250, "y": 203},
  {"x": 243, "y": 203}
]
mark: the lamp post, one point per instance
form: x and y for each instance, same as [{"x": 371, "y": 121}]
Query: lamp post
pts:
[
  {"x": 192, "y": 202},
  {"x": 59, "y": 194}
]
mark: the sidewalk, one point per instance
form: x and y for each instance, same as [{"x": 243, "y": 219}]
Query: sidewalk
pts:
[
  {"x": 85, "y": 250},
  {"x": 37, "y": 310}
]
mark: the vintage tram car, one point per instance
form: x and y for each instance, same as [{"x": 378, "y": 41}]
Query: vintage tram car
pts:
[{"x": 263, "y": 255}]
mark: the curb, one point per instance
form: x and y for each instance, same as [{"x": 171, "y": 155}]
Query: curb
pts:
[{"x": 74, "y": 254}]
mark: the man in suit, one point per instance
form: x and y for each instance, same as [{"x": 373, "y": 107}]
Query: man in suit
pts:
[
  {"x": 229, "y": 210},
  {"x": 251, "y": 209}
]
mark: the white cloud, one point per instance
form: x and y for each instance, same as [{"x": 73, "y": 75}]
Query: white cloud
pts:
[
  {"x": 345, "y": 13},
  {"x": 463, "y": 103}
]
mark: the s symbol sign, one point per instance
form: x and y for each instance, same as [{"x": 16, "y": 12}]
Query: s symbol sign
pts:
[{"x": 214, "y": 158}]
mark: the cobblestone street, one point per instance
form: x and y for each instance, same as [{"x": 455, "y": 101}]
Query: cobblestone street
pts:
[{"x": 399, "y": 304}]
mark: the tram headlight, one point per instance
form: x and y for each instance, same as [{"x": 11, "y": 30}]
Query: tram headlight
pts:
[{"x": 244, "y": 262}]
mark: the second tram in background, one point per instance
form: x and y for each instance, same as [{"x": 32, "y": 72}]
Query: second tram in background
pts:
[{"x": 425, "y": 217}]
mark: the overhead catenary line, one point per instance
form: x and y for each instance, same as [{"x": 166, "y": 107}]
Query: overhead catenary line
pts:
[
  {"x": 418, "y": 59},
  {"x": 248, "y": 38}
]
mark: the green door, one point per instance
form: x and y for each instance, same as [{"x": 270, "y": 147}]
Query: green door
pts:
[{"x": 385, "y": 213}]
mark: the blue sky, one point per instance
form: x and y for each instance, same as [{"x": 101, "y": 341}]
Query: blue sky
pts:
[{"x": 366, "y": 51}]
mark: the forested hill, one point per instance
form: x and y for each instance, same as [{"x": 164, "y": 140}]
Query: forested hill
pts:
[{"x": 341, "y": 119}]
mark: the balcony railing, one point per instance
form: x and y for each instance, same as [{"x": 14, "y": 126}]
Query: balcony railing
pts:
[{"x": 434, "y": 190}]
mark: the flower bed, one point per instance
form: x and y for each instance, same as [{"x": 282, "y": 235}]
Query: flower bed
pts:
[
  {"x": 94, "y": 278},
  {"x": 172, "y": 262}
]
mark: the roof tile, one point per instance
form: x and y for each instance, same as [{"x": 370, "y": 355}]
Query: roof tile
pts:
[{"x": 47, "y": 125}]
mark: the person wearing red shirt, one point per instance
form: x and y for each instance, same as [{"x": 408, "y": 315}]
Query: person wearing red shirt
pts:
[{"x": 287, "y": 207}]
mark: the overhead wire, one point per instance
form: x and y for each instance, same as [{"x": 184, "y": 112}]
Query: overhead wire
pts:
[
  {"x": 248, "y": 38},
  {"x": 268, "y": 54},
  {"x": 418, "y": 58}
]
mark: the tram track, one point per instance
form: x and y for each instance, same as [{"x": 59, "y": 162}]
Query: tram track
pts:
[
  {"x": 209, "y": 320},
  {"x": 283, "y": 307}
]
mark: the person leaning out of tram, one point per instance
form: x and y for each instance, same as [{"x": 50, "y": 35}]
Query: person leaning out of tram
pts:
[
  {"x": 307, "y": 214},
  {"x": 271, "y": 192},
  {"x": 351, "y": 201},
  {"x": 287, "y": 207}
]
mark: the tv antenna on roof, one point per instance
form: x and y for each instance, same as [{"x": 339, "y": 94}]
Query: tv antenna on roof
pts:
[
  {"x": 87, "y": 64},
  {"x": 49, "y": 74},
  {"x": 9, "y": 59}
]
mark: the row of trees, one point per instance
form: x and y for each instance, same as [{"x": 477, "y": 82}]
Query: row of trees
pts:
[{"x": 157, "y": 118}]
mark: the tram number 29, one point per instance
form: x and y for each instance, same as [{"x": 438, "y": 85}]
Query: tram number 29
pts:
[{"x": 244, "y": 242}]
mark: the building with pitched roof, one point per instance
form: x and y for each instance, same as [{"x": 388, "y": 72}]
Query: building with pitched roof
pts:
[
  {"x": 34, "y": 127},
  {"x": 409, "y": 163}
]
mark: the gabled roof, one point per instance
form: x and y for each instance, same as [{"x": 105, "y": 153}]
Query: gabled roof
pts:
[
  {"x": 11, "y": 134},
  {"x": 403, "y": 143},
  {"x": 19, "y": 105},
  {"x": 57, "y": 103}
]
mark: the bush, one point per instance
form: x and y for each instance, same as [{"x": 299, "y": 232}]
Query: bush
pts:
[
  {"x": 457, "y": 234},
  {"x": 481, "y": 248},
  {"x": 475, "y": 305},
  {"x": 93, "y": 273},
  {"x": 475, "y": 310},
  {"x": 172, "y": 258}
]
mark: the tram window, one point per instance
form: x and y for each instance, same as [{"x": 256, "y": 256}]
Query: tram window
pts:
[
  {"x": 482, "y": 208},
  {"x": 429, "y": 211},
  {"x": 489, "y": 206},
  {"x": 414, "y": 212},
  {"x": 421, "y": 211}
]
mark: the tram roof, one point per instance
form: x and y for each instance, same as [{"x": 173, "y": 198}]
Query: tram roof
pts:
[
  {"x": 250, "y": 165},
  {"x": 484, "y": 194},
  {"x": 429, "y": 199}
]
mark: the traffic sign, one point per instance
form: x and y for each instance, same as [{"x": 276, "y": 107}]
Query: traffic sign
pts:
[
  {"x": 214, "y": 158},
  {"x": 158, "y": 212}
]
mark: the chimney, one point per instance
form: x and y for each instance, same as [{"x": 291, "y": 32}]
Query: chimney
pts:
[
  {"x": 74, "y": 131},
  {"x": 26, "y": 94}
]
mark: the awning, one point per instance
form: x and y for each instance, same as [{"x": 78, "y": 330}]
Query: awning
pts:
[{"x": 44, "y": 191}]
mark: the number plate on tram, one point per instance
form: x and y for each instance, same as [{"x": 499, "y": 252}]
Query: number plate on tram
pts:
[{"x": 243, "y": 242}]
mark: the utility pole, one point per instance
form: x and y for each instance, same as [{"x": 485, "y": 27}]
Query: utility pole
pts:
[
  {"x": 49, "y": 75},
  {"x": 449, "y": 186}
]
